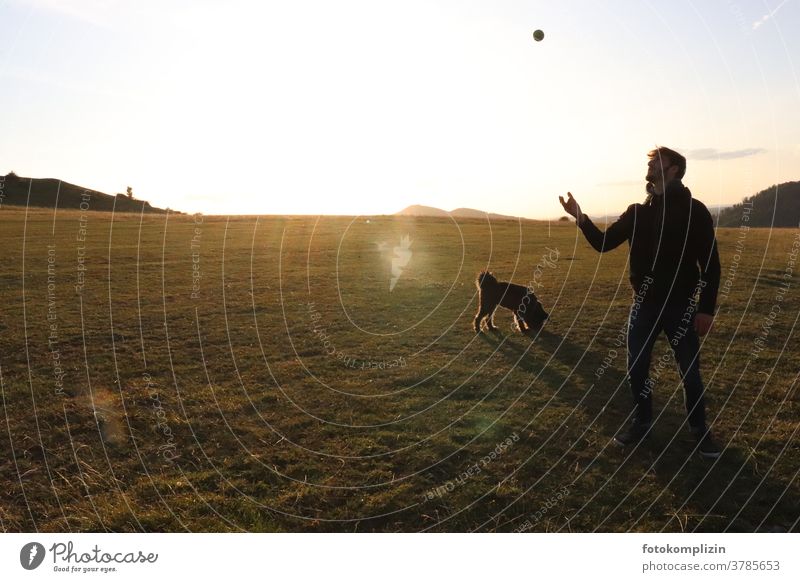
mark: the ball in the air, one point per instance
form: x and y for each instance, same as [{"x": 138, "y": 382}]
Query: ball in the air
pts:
[{"x": 538, "y": 35}]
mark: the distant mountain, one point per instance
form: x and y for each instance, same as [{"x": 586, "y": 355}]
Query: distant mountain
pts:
[
  {"x": 45, "y": 191},
  {"x": 419, "y": 210},
  {"x": 778, "y": 205}
]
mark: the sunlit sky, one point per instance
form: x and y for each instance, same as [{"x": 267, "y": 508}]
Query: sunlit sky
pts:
[{"x": 365, "y": 107}]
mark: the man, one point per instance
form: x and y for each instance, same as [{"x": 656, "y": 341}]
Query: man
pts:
[{"x": 673, "y": 258}]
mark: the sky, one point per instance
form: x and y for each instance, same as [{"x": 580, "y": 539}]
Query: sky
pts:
[{"x": 367, "y": 106}]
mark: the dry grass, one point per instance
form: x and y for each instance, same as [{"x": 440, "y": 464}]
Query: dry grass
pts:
[{"x": 226, "y": 412}]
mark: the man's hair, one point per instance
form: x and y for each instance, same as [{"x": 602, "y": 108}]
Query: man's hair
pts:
[{"x": 668, "y": 158}]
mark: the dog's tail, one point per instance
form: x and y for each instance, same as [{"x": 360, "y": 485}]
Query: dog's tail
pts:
[{"x": 485, "y": 280}]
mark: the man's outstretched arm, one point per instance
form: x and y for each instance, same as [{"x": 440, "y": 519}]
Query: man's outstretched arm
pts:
[{"x": 615, "y": 235}]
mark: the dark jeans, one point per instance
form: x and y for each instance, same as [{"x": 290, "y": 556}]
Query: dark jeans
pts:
[{"x": 645, "y": 322}]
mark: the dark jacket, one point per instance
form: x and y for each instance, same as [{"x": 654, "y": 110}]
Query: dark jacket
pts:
[{"x": 672, "y": 240}]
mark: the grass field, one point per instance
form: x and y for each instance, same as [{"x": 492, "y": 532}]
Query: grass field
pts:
[{"x": 175, "y": 373}]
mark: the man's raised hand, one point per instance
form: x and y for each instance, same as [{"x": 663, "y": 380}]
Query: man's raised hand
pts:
[{"x": 570, "y": 205}]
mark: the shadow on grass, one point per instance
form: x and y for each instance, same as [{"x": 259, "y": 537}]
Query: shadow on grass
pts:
[
  {"x": 570, "y": 387},
  {"x": 731, "y": 493}
]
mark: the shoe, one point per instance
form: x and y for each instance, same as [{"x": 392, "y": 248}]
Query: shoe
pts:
[
  {"x": 635, "y": 433},
  {"x": 706, "y": 446}
]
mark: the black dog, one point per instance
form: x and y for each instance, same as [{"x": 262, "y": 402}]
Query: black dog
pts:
[{"x": 528, "y": 312}]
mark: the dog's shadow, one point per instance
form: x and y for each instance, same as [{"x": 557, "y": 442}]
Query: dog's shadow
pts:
[
  {"x": 712, "y": 493},
  {"x": 529, "y": 357},
  {"x": 536, "y": 351}
]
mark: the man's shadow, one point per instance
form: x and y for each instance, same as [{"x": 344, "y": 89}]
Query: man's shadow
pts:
[{"x": 732, "y": 493}]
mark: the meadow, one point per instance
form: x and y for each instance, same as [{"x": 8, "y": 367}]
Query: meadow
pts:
[{"x": 279, "y": 373}]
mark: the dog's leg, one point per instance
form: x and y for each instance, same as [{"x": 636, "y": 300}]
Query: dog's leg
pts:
[
  {"x": 520, "y": 323},
  {"x": 481, "y": 314},
  {"x": 490, "y": 319}
]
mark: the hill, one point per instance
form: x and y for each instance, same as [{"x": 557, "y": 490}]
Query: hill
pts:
[
  {"x": 419, "y": 210},
  {"x": 778, "y": 205},
  {"x": 47, "y": 192}
]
